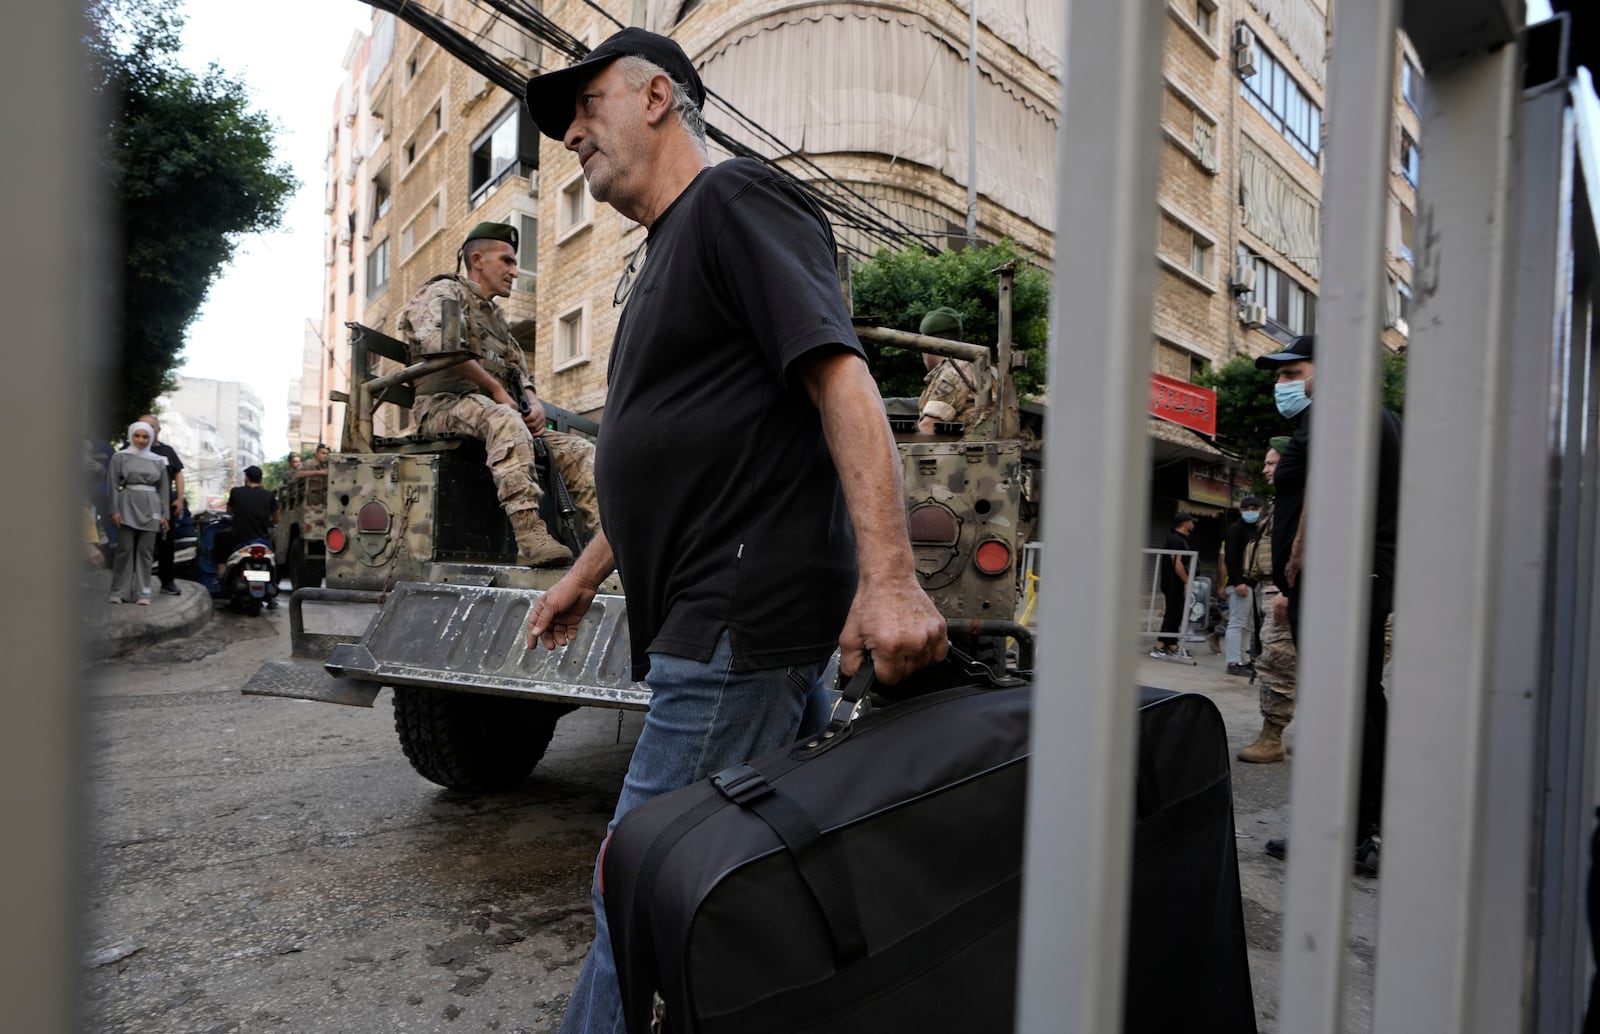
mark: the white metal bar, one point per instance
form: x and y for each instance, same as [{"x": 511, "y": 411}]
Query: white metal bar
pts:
[
  {"x": 1080, "y": 783},
  {"x": 1520, "y": 645},
  {"x": 1340, "y": 504},
  {"x": 1449, "y": 524}
]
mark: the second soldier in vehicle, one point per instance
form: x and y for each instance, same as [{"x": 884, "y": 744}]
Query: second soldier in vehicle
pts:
[{"x": 479, "y": 398}]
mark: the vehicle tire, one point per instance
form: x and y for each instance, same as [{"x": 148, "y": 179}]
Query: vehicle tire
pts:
[
  {"x": 471, "y": 742},
  {"x": 304, "y": 572}
]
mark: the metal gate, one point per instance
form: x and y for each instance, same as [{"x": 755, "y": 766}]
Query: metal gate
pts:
[{"x": 1491, "y": 773}]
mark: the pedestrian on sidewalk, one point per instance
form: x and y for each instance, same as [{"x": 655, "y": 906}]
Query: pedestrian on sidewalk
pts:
[
  {"x": 137, "y": 485},
  {"x": 1238, "y": 587},
  {"x": 1295, "y": 370},
  {"x": 1274, "y": 667},
  {"x": 1175, "y": 575},
  {"x": 166, "y": 547}
]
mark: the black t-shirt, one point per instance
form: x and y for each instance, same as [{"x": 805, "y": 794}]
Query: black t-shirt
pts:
[
  {"x": 1289, "y": 483},
  {"x": 1237, "y": 536},
  {"x": 252, "y": 508},
  {"x": 1170, "y": 582},
  {"x": 173, "y": 466},
  {"x": 717, "y": 492}
]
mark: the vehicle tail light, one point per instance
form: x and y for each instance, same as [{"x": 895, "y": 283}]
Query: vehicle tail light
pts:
[
  {"x": 933, "y": 525},
  {"x": 334, "y": 540},
  {"x": 373, "y": 517},
  {"x": 257, "y": 552},
  {"x": 992, "y": 557}
]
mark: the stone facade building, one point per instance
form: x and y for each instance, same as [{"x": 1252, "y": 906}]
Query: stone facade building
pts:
[{"x": 873, "y": 101}]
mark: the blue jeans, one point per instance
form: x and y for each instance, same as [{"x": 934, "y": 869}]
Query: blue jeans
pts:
[{"x": 703, "y": 717}]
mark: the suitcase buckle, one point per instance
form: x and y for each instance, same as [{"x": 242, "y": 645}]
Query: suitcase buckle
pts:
[{"x": 741, "y": 784}]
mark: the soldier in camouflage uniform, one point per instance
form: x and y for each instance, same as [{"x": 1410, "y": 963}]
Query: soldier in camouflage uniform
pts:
[
  {"x": 1276, "y": 665},
  {"x": 952, "y": 393},
  {"x": 475, "y": 398}
]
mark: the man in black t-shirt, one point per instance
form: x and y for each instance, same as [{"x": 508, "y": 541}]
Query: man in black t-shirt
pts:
[
  {"x": 1237, "y": 585},
  {"x": 750, "y": 491},
  {"x": 1295, "y": 369},
  {"x": 254, "y": 509},
  {"x": 1175, "y": 576},
  {"x": 166, "y": 564}
]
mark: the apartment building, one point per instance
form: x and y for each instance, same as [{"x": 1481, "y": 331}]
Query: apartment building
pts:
[
  {"x": 874, "y": 102},
  {"x": 216, "y": 428}
]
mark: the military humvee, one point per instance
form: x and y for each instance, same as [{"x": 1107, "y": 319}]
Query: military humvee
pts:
[{"x": 413, "y": 527}]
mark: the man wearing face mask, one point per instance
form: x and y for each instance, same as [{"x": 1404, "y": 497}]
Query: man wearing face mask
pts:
[
  {"x": 1295, "y": 368},
  {"x": 1237, "y": 585}
]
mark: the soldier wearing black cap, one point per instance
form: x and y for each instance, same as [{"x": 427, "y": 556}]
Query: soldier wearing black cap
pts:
[
  {"x": 1295, "y": 370},
  {"x": 753, "y": 499},
  {"x": 475, "y": 398}
]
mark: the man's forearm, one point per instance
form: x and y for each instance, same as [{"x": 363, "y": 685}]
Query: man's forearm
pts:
[
  {"x": 863, "y": 451},
  {"x": 595, "y": 564},
  {"x": 473, "y": 371}
]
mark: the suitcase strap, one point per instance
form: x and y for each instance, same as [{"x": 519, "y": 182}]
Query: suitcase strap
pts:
[{"x": 821, "y": 861}]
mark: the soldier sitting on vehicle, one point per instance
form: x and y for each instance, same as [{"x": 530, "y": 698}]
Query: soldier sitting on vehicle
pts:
[
  {"x": 318, "y": 462},
  {"x": 952, "y": 394},
  {"x": 491, "y": 397}
]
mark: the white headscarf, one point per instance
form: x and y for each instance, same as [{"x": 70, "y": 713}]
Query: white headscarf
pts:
[{"x": 147, "y": 452}]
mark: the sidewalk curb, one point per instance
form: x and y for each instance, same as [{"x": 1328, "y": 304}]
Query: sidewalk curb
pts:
[{"x": 116, "y": 629}]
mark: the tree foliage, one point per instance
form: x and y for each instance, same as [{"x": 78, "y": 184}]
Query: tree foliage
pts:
[
  {"x": 190, "y": 169},
  {"x": 897, "y": 288}
]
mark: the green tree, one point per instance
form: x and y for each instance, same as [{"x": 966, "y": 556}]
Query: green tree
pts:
[
  {"x": 191, "y": 170},
  {"x": 897, "y": 288}
]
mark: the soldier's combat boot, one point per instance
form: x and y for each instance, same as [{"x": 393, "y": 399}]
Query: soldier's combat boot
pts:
[
  {"x": 1268, "y": 746},
  {"x": 536, "y": 547}
]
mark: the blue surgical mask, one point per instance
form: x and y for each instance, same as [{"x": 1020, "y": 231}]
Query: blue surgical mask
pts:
[
  {"x": 1250, "y": 516},
  {"x": 1291, "y": 398}
]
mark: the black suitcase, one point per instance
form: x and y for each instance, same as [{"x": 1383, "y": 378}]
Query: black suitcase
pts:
[{"x": 870, "y": 881}]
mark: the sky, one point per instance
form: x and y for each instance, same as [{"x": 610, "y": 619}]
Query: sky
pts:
[{"x": 288, "y": 53}]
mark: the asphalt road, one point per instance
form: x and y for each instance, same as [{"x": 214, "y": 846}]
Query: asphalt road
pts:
[{"x": 260, "y": 864}]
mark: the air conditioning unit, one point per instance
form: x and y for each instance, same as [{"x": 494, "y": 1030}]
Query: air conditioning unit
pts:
[
  {"x": 1243, "y": 37},
  {"x": 1243, "y": 279},
  {"x": 1253, "y": 315},
  {"x": 1244, "y": 50}
]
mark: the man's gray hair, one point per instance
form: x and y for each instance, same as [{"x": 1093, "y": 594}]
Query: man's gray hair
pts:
[{"x": 636, "y": 71}]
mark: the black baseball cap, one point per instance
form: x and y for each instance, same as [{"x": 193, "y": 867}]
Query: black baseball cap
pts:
[
  {"x": 552, "y": 97},
  {"x": 1299, "y": 349},
  {"x": 1249, "y": 500}
]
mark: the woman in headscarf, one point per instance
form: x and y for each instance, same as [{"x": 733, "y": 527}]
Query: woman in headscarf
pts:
[{"x": 137, "y": 486}]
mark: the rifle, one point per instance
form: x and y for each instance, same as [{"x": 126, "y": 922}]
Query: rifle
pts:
[{"x": 566, "y": 510}]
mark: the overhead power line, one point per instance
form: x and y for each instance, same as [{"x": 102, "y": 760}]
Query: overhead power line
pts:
[{"x": 844, "y": 204}]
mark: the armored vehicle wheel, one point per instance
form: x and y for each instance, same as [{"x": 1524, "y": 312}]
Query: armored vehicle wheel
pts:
[
  {"x": 304, "y": 571},
  {"x": 470, "y": 742}
]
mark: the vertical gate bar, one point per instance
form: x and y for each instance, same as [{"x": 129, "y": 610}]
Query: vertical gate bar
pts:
[
  {"x": 1340, "y": 503},
  {"x": 1080, "y": 782},
  {"x": 1520, "y": 645},
  {"x": 1449, "y": 532}
]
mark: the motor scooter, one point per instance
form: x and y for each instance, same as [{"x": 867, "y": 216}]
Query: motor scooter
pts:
[{"x": 247, "y": 578}]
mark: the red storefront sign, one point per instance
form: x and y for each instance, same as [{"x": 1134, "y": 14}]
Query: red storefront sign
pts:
[{"x": 1183, "y": 403}]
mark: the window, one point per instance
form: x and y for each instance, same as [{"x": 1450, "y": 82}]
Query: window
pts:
[
  {"x": 351, "y": 288},
  {"x": 1407, "y": 228},
  {"x": 509, "y": 148},
  {"x": 528, "y": 251},
  {"x": 1274, "y": 93},
  {"x": 422, "y": 226},
  {"x": 1403, "y": 290},
  {"x": 572, "y": 338},
  {"x": 1199, "y": 256},
  {"x": 378, "y": 268},
  {"x": 1205, "y": 17},
  {"x": 1408, "y": 158},
  {"x": 1411, "y": 84},
  {"x": 1289, "y": 306},
  {"x": 428, "y": 130},
  {"x": 573, "y": 211},
  {"x": 382, "y": 197}
]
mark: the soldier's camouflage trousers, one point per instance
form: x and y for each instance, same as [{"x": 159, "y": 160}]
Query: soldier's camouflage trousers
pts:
[
  {"x": 509, "y": 445},
  {"x": 1275, "y": 668}
]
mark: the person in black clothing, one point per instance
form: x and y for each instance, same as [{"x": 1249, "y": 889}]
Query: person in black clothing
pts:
[
  {"x": 1174, "y": 584},
  {"x": 1237, "y": 585},
  {"x": 254, "y": 509},
  {"x": 166, "y": 565},
  {"x": 1295, "y": 370}
]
